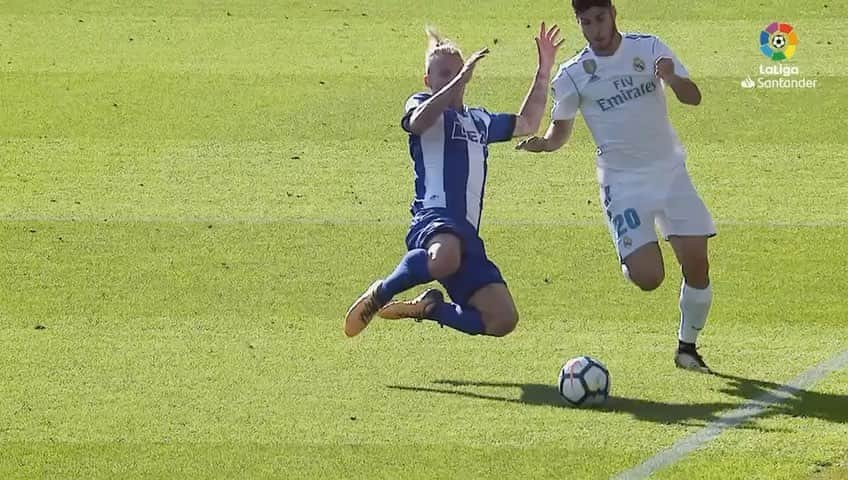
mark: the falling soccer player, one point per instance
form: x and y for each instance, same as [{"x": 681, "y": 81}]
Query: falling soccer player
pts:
[{"x": 449, "y": 145}]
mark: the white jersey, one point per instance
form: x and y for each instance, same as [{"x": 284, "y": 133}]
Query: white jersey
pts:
[{"x": 624, "y": 105}]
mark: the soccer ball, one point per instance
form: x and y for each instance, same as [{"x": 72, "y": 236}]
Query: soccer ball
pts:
[
  {"x": 584, "y": 381},
  {"x": 778, "y": 41}
]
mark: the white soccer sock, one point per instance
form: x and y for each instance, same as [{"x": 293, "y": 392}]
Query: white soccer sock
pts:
[{"x": 694, "y": 307}]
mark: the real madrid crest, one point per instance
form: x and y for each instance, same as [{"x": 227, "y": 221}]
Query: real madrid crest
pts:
[
  {"x": 590, "y": 66},
  {"x": 638, "y": 64}
]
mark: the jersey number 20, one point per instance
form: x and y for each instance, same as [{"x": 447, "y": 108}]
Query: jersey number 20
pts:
[{"x": 630, "y": 217}]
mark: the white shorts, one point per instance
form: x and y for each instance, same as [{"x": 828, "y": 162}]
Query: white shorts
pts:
[{"x": 633, "y": 205}]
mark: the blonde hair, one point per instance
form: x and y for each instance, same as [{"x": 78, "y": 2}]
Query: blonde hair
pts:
[{"x": 438, "y": 45}]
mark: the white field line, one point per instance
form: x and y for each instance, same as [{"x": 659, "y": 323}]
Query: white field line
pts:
[{"x": 735, "y": 417}]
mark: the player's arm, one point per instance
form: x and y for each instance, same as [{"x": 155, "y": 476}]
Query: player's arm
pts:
[
  {"x": 558, "y": 134},
  {"x": 671, "y": 70},
  {"x": 426, "y": 114},
  {"x": 529, "y": 118},
  {"x": 566, "y": 106},
  {"x": 684, "y": 88}
]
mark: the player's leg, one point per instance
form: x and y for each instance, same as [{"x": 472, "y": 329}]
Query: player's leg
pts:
[
  {"x": 431, "y": 305},
  {"x": 630, "y": 219},
  {"x": 444, "y": 253},
  {"x": 482, "y": 302},
  {"x": 686, "y": 223},
  {"x": 482, "y": 305},
  {"x": 696, "y": 297},
  {"x": 444, "y": 256},
  {"x": 691, "y": 252},
  {"x": 497, "y": 309},
  {"x": 440, "y": 258},
  {"x": 644, "y": 267}
]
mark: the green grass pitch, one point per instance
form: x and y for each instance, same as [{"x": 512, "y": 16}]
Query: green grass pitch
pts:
[{"x": 194, "y": 192}]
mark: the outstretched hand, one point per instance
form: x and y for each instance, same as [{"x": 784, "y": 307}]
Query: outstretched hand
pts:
[
  {"x": 547, "y": 43},
  {"x": 468, "y": 69}
]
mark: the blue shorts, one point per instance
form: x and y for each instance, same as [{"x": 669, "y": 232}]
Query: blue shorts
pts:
[{"x": 475, "y": 270}]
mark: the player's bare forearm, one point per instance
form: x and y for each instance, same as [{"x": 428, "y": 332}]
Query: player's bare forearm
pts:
[
  {"x": 530, "y": 116},
  {"x": 558, "y": 134},
  {"x": 554, "y": 138},
  {"x": 685, "y": 89},
  {"x": 428, "y": 112},
  {"x": 533, "y": 109}
]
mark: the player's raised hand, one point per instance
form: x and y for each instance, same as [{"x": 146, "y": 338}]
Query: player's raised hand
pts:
[
  {"x": 533, "y": 144},
  {"x": 547, "y": 43},
  {"x": 468, "y": 69},
  {"x": 664, "y": 68}
]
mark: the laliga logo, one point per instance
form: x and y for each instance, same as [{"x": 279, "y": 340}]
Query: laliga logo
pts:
[
  {"x": 778, "y": 41},
  {"x": 778, "y": 70}
]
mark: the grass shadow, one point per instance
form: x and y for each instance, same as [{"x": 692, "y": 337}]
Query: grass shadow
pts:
[
  {"x": 774, "y": 399},
  {"x": 785, "y": 400},
  {"x": 547, "y": 395}
]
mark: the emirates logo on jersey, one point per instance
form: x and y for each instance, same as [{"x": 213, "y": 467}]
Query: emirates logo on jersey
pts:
[{"x": 628, "y": 90}]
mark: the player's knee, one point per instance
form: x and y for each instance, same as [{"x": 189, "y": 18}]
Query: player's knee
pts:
[
  {"x": 445, "y": 260},
  {"x": 502, "y": 323},
  {"x": 444, "y": 265},
  {"x": 500, "y": 328},
  {"x": 647, "y": 280}
]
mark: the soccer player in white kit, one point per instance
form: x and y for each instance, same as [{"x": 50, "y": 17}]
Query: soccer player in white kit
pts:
[{"x": 618, "y": 83}]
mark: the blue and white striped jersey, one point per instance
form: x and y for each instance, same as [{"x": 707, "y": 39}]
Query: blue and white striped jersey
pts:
[{"x": 449, "y": 158}]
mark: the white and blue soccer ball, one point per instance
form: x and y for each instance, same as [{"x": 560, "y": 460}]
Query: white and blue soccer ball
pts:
[{"x": 584, "y": 381}]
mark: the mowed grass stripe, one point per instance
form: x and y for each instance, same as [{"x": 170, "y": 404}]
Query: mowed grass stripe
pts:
[
  {"x": 257, "y": 10},
  {"x": 140, "y": 106},
  {"x": 237, "y": 44},
  {"x": 128, "y": 271},
  {"x": 600, "y": 223},
  {"x": 87, "y": 180}
]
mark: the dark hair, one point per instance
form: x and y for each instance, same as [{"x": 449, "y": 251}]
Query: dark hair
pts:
[{"x": 581, "y": 6}]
